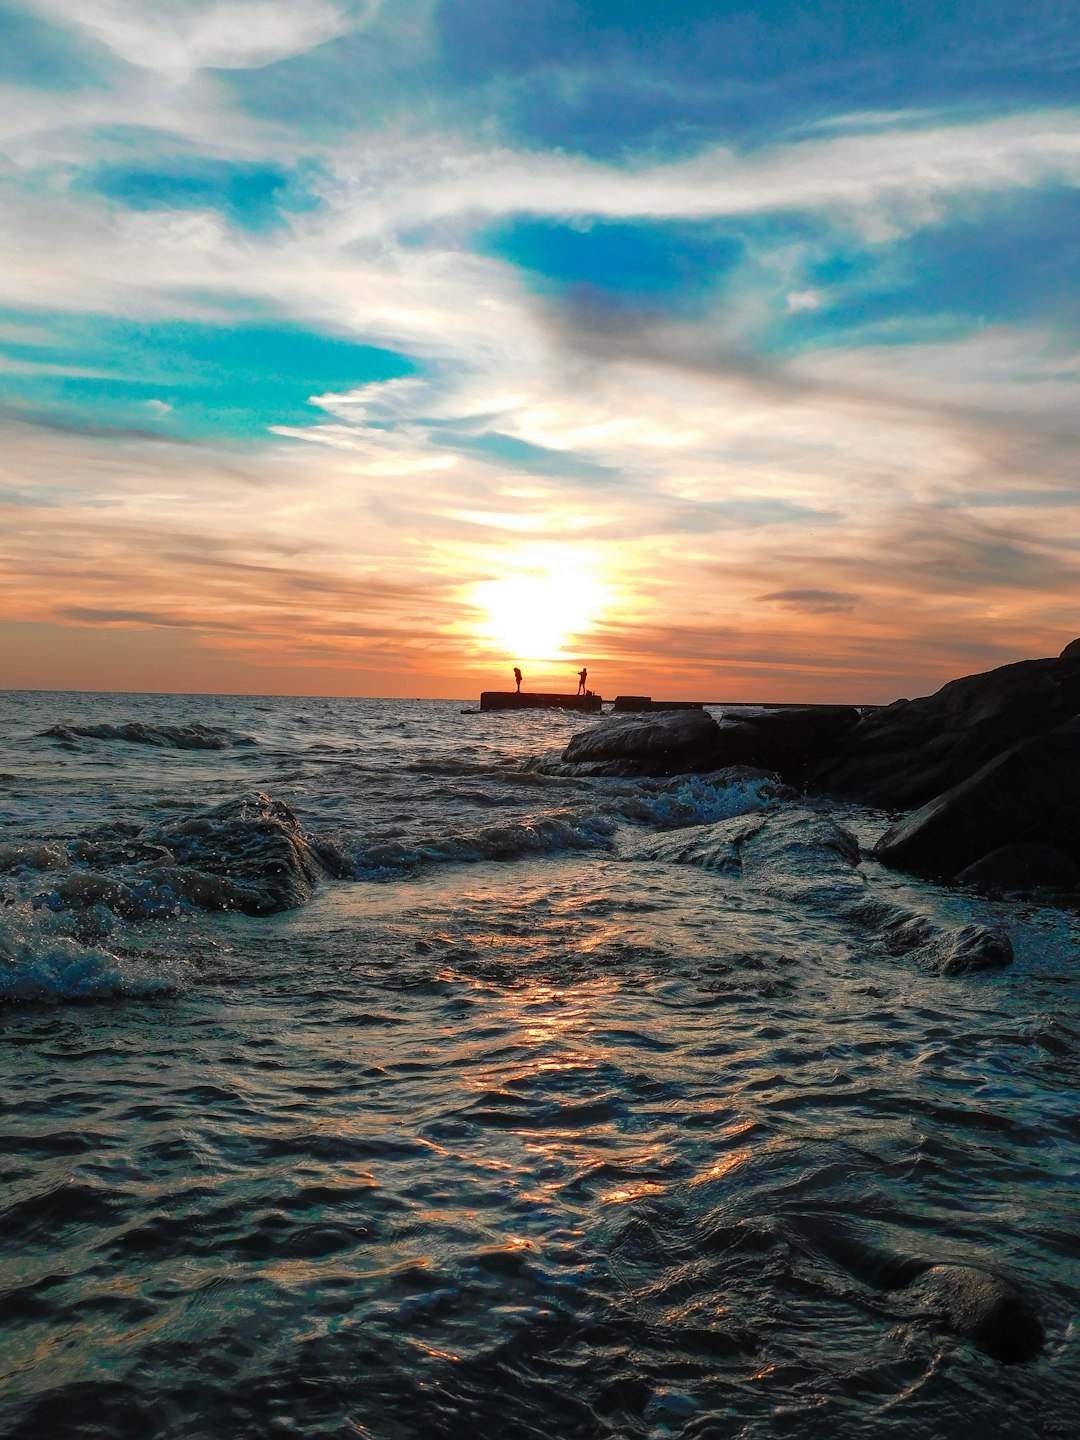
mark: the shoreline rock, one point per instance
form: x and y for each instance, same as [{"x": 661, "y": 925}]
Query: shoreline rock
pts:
[
  {"x": 1029, "y": 796},
  {"x": 908, "y": 752}
]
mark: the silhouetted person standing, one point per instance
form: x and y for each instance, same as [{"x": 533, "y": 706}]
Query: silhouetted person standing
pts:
[
  {"x": 583, "y": 675},
  {"x": 517, "y": 678}
]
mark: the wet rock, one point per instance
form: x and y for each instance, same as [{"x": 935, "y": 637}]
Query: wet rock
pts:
[
  {"x": 86, "y": 889},
  {"x": 31, "y": 857},
  {"x": 909, "y": 751},
  {"x": 249, "y": 854},
  {"x": 1023, "y": 867},
  {"x": 174, "y": 885},
  {"x": 255, "y": 843},
  {"x": 769, "y": 848},
  {"x": 963, "y": 949},
  {"x": 1028, "y": 795},
  {"x": 666, "y": 743},
  {"x": 116, "y": 845},
  {"x": 944, "y": 950},
  {"x": 980, "y": 1306}
]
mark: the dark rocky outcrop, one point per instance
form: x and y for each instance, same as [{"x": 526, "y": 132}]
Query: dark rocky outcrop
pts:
[
  {"x": 1030, "y": 795},
  {"x": 788, "y": 740},
  {"x": 249, "y": 854},
  {"x": 981, "y": 1307},
  {"x": 664, "y": 743},
  {"x": 908, "y": 752},
  {"x": 1023, "y": 868}
]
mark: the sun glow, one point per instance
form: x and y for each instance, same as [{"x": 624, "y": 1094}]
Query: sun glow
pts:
[{"x": 535, "y": 613}]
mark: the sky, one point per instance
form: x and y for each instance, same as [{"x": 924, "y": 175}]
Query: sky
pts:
[{"x": 372, "y": 347}]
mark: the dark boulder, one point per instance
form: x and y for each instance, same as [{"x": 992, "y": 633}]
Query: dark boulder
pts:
[
  {"x": 1023, "y": 867},
  {"x": 786, "y": 740},
  {"x": 1028, "y": 795},
  {"x": 1071, "y": 651},
  {"x": 907, "y": 752},
  {"x": 663, "y": 743},
  {"x": 253, "y": 842},
  {"x": 249, "y": 854},
  {"x": 981, "y": 1307}
]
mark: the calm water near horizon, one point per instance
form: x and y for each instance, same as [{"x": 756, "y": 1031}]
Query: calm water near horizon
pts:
[{"x": 519, "y": 1125}]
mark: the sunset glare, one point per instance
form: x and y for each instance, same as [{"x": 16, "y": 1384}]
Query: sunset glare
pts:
[{"x": 535, "y": 615}]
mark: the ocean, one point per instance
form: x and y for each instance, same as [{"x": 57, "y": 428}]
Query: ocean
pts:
[{"x": 554, "y": 1106}]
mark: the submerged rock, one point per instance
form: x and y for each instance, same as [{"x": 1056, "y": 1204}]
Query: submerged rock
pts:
[
  {"x": 944, "y": 950},
  {"x": 663, "y": 743},
  {"x": 32, "y": 856},
  {"x": 763, "y": 847},
  {"x": 980, "y": 1306}
]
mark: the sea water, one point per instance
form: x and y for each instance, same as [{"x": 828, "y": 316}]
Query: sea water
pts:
[{"x": 531, "y": 1120}]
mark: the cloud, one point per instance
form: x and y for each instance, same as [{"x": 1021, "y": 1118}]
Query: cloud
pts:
[
  {"x": 886, "y": 182},
  {"x": 769, "y": 472},
  {"x": 813, "y": 602},
  {"x": 187, "y": 35}
]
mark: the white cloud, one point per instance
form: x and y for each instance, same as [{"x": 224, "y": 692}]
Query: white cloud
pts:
[
  {"x": 887, "y": 182},
  {"x": 185, "y": 35}
]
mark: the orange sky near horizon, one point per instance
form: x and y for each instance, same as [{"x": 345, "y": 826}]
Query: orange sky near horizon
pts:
[
  {"x": 784, "y": 405},
  {"x": 270, "y": 572}
]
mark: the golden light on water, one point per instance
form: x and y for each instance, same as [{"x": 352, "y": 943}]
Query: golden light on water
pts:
[{"x": 548, "y": 602}]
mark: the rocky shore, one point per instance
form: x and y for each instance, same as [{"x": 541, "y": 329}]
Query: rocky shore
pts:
[{"x": 987, "y": 769}]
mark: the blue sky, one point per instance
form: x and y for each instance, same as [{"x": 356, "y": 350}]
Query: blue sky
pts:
[{"x": 323, "y": 324}]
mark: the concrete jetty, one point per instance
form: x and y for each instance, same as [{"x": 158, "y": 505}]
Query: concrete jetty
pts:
[
  {"x": 630, "y": 704},
  {"x": 536, "y": 700}
]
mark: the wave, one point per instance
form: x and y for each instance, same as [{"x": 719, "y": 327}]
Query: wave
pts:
[
  {"x": 36, "y": 966},
  {"x": 169, "y": 737},
  {"x": 518, "y": 840},
  {"x": 691, "y": 800}
]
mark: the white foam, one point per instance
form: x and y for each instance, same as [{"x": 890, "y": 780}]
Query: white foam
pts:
[{"x": 35, "y": 965}]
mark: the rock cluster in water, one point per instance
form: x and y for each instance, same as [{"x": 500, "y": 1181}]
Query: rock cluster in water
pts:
[
  {"x": 991, "y": 761},
  {"x": 249, "y": 854}
]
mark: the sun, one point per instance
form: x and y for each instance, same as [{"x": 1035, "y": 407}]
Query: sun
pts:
[{"x": 534, "y": 614}]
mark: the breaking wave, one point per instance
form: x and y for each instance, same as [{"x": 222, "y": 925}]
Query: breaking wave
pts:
[
  {"x": 540, "y": 835},
  {"x": 136, "y": 732},
  {"x": 37, "y": 966}
]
